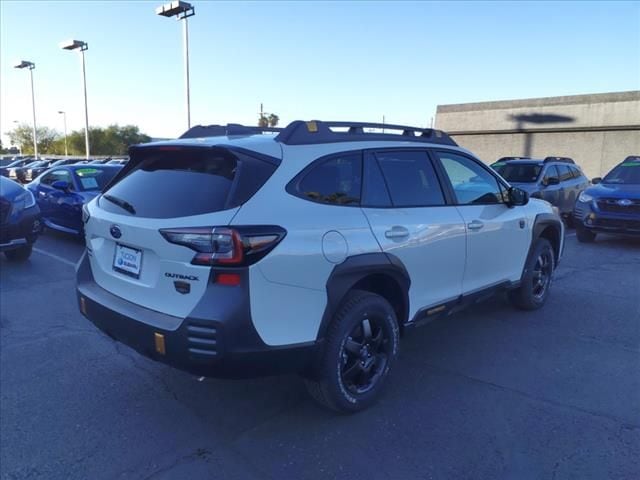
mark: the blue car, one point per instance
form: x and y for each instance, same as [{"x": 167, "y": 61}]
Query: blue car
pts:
[
  {"x": 19, "y": 220},
  {"x": 62, "y": 191},
  {"x": 612, "y": 204}
]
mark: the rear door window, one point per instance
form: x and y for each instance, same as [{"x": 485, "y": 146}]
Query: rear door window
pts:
[
  {"x": 550, "y": 172},
  {"x": 565, "y": 173},
  {"x": 410, "y": 178},
  {"x": 185, "y": 181}
]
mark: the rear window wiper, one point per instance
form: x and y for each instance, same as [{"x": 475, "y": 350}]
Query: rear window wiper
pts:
[{"x": 121, "y": 203}]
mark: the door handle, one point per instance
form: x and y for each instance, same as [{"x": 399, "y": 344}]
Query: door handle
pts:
[
  {"x": 397, "y": 232},
  {"x": 475, "y": 225}
]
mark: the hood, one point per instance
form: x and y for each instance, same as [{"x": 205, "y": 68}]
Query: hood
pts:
[
  {"x": 610, "y": 190},
  {"x": 9, "y": 189}
]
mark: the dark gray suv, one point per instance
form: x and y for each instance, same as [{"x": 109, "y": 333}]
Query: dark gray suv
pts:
[{"x": 558, "y": 180}]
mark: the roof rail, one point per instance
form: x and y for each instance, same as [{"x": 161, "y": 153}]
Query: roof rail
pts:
[
  {"x": 632, "y": 158},
  {"x": 316, "y": 131},
  {"x": 506, "y": 159},
  {"x": 559, "y": 159},
  {"x": 201, "y": 131}
]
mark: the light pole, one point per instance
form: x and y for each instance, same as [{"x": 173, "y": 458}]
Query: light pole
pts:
[
  {"x": 181, "y": 10},
  {"x": 31, "y": 66},
  {"x": 82, "y": 46},
  {"x": 64, "y": 116}
]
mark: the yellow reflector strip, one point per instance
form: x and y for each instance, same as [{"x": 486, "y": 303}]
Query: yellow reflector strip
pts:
[
  {"x": 312, "y": 127},
  {"x": 160, "y": 347},
  {"x": 435, "y": 310}
]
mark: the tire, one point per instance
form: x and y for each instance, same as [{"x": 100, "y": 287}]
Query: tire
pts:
[
  {"x": 19, "y": 254},
  {"x": 536, "y": 281},
  {"x": 571, "y": 223},
  {"x": 583, "y": 235},
  {"x": 360, "y": 348}
]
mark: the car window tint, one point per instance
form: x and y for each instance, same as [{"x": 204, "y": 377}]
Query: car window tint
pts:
[
  {"x": 94, "y": 178},
  {"x": 374, "y": 189},
  {"x": 575, "y": 171},
  {"x": 565, "y": 172},
  {"x": 472, "y": 184},
  {"x": 410, "y": 177},
  {"x": 335, "y": 181},
  {"x": 56, "y": 176},
  {"x": 183, "y": 181},
  {"x": 550, "y": 172}
]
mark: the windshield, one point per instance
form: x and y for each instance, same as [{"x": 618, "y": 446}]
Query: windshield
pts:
[
  {"x": 625, "y": 173},
  {"x": 91, "y": 179},
  {"x": 518, "y": 172}
]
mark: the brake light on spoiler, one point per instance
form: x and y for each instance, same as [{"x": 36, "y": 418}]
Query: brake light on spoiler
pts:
[{"x": 223, "y": 246}]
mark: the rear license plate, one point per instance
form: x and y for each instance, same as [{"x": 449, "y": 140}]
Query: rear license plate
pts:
[{"x": 127, "y": 260}]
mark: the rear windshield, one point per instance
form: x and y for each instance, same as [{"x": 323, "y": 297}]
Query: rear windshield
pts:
[
  {"x": 92, "y": 179},
  {"x": 518, "y": 172},
  {"x": 186, "y": 181}
]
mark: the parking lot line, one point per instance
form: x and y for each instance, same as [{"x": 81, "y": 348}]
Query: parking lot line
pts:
[{"x": 55, "y": 257}]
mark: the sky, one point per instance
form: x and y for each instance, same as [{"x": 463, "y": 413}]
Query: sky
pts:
[{"x": 306, "y": 60}]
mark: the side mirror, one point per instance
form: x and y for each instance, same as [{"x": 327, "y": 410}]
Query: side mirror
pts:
[
  {"x": 596, "y": 180},
  {"x": 551, "y": 181},
  {"x": 517, "y": 197},
  {"x": 61, "y": 185}
]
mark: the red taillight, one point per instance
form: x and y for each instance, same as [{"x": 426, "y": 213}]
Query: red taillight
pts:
[{"x": 226, "y": 246}]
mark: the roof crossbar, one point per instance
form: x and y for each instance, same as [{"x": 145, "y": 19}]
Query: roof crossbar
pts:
[{"x": 316, "y": 131}]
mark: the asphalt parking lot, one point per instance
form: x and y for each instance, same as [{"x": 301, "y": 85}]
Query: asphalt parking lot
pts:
[{"x": 491, "y": 393}]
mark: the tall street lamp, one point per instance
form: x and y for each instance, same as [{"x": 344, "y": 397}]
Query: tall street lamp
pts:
[
  {"x": 64, "y": 116},
  {"x": 31, "y": 66},
  {"x": 181, "y": 10},
  {"x": 82, "y": 47}
]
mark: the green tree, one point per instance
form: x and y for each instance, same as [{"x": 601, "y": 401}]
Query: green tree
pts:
[
  {"x": 113, "y": 140},
  {"x": 22, "y": 136},
  {"x": 268, "y": 120}
]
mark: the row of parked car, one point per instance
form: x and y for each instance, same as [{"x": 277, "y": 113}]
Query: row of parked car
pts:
[
  {"x": 606, "y": 205},
  {"x": 24, "y": 169},
  {"x": 54, "y": 199}
]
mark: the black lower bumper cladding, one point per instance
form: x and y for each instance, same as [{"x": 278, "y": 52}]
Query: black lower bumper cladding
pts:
[{"x": 217, "y": 339}]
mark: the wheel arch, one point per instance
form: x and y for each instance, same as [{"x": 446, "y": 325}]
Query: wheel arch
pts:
[
  {"x": 380, "y": 273},
  {"x": 549, "y": 227}
]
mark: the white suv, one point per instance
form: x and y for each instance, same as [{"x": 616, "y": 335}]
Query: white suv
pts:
[{"x": 235, "y": 252}]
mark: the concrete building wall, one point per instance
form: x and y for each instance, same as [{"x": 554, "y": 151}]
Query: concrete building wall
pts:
[{"x": 597, "y": 131}]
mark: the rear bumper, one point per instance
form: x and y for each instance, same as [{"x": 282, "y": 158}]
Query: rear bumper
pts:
[
  {"x": 212, "y": 342},
  {"x": 21, "y": 231}
]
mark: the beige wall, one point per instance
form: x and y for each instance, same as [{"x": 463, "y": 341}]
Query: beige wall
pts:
[
  {"x": 597, "y": 131},
  {"x": 595, "y": 152}
]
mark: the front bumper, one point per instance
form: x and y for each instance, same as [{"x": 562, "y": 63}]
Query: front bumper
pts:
[
  {"x": 216, "y": 340},
  {"x": 591, "y": 219},
  {"x": 23, "y": 230}
]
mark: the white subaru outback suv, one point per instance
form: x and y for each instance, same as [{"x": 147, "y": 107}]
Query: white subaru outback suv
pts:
[{"x": 235, "y": 252}]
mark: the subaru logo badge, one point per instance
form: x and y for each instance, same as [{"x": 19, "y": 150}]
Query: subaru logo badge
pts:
[
  {"x": 115, "y": 231},
  {"x": 625, "y": 202}
]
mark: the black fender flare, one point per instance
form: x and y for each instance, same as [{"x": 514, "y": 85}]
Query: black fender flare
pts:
[
  {"x": 540, "y": 224},
  {"x": 354, "y": 269}
]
